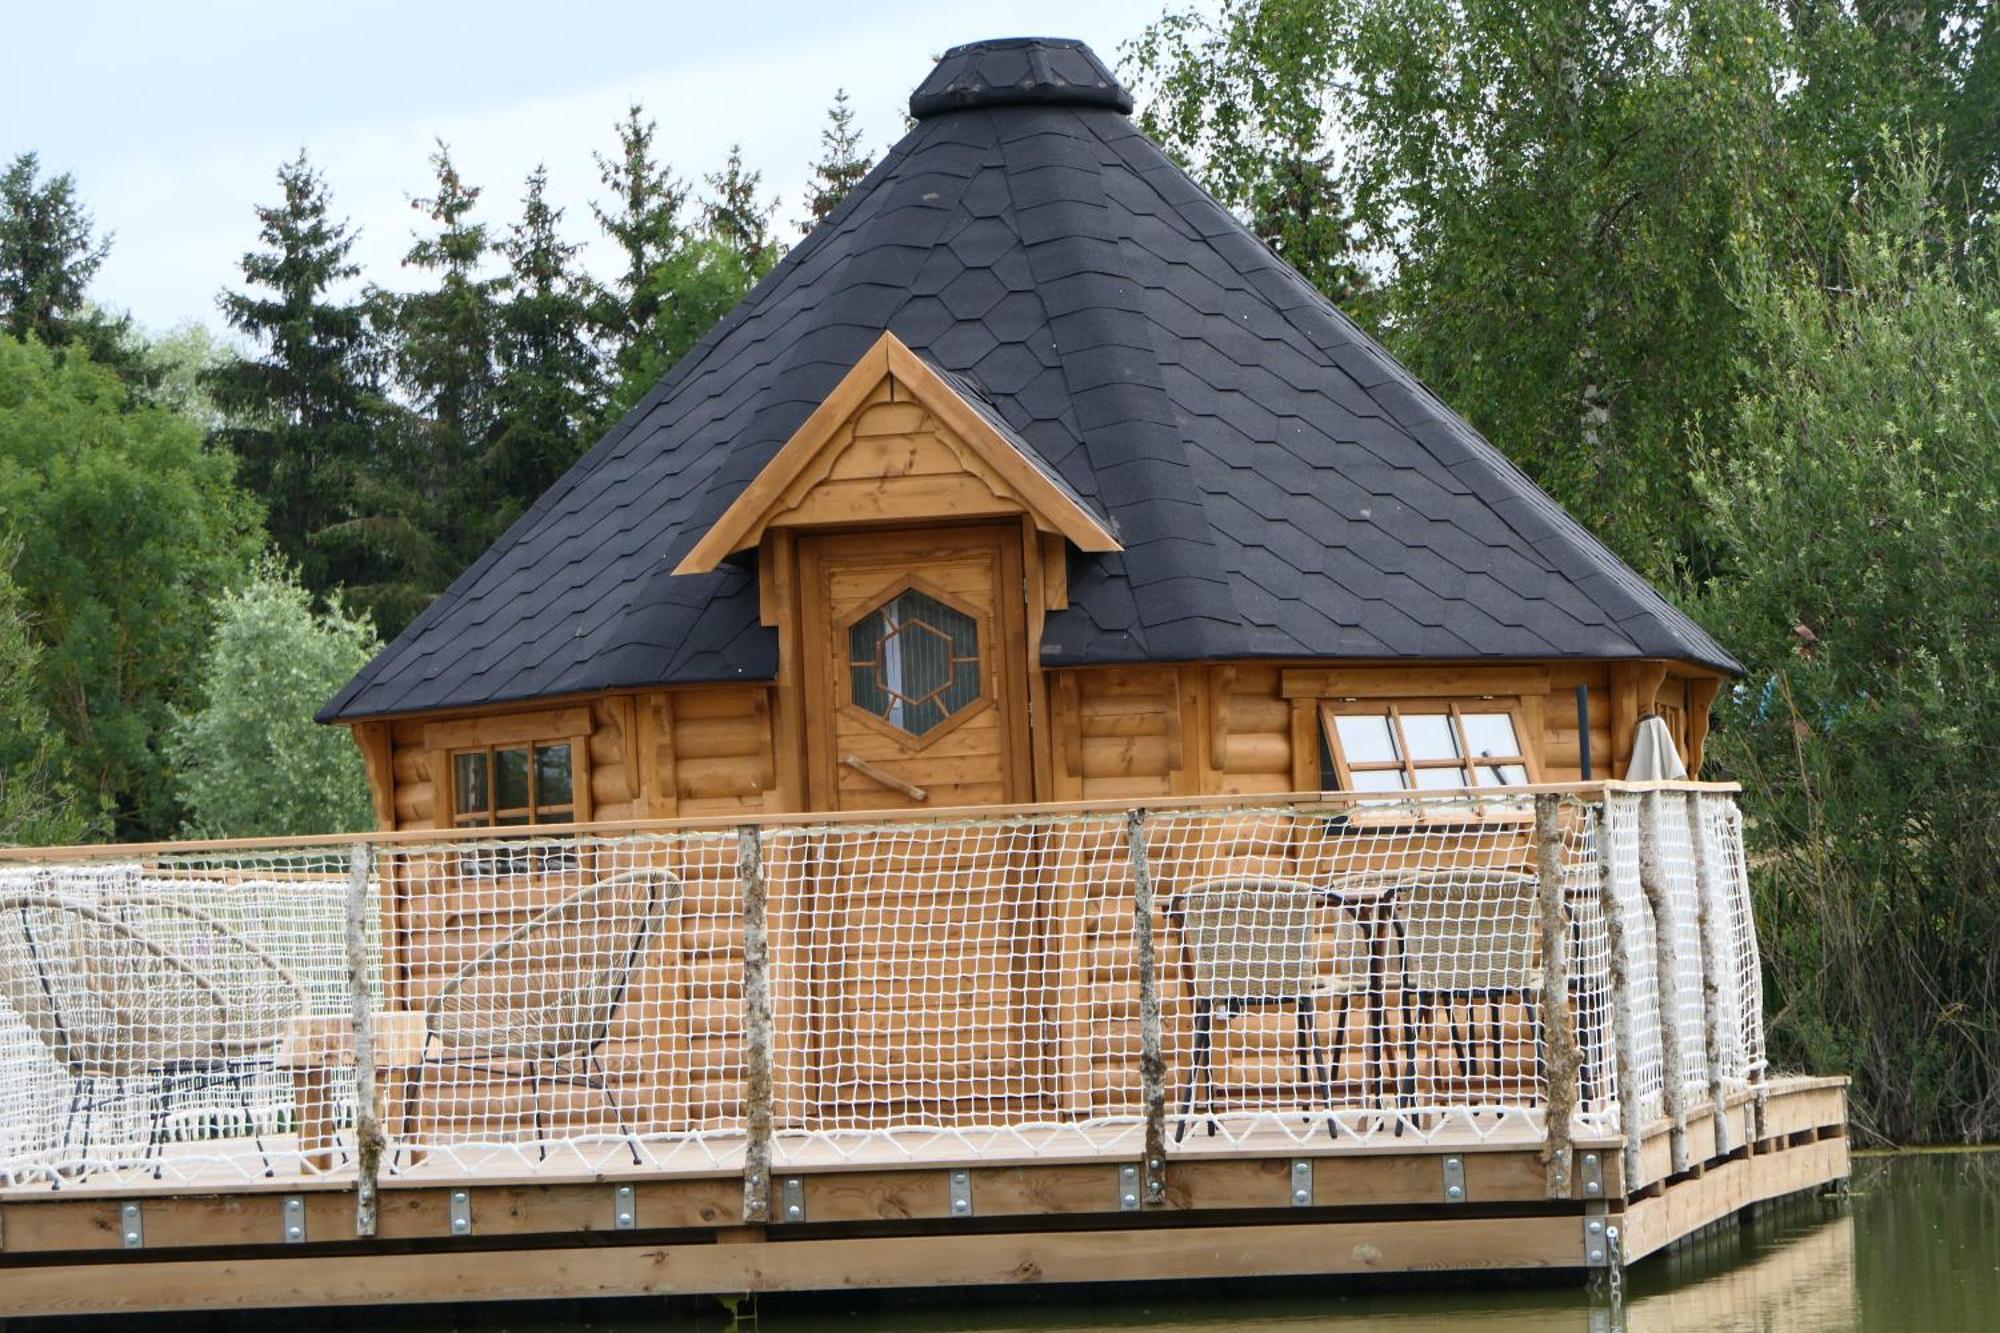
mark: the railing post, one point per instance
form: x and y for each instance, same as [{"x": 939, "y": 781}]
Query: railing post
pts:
[
  {"x": 756, "y": 1028},
  {"x": 1713, "y": 968},
  {"x": 1561, "y": 1055},
  {"x": 1624, "y": 1038},
  {"x": 1666, "y": 977},
  {"x": 1152, "y": 1061},
  {"x": 360, "y": 989}
]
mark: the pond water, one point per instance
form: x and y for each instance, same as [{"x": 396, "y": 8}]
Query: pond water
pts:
[{"x": 1913, "y": 1245}]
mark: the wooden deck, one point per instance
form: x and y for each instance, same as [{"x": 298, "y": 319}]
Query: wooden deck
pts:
[{"x": 1252, "y": 1209}]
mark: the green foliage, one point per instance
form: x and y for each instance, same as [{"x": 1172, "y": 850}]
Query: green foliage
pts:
[
  {"x": 249, "y": 759},
  {"x": 38, "y": 803},
  {"x": 551, "y": 390},
  {"x": 1855, "y": 508},
  {"x": 128, "y": 530},
  {"x": 679, "y": 281},
  {"x": 49, "y": 251},
  {"x": 841, "y": 165},
  {"x": 303, "y": 413}
]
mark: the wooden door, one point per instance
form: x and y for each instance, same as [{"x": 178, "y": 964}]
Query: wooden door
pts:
[
  {"x": 921, "y": 1004},
  {"x": 916, "y": 662}
]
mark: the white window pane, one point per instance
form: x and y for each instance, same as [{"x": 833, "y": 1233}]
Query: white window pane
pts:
[
  {"x": 1429, "y": 736},
  {"x": 1381, "y": 779},
  {"x": 1490, "y": 733},
  {"x": 1366, "y": 740},
  {"x": 1437, "y": 779}
]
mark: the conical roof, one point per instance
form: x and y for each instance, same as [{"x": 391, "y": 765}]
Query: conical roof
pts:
[{"x": 1281, "y": 486}]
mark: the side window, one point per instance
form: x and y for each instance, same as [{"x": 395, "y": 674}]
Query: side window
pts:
[
  {"x": 501, "y": 786},
  {"x": 1425, "y": 745}
]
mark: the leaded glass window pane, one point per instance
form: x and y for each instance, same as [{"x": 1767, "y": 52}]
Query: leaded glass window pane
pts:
[{"x": 914, "y": 662}]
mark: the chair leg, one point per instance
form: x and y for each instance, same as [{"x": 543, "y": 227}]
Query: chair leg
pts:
[
  {"x": 238, "y": 1077},
  {"x": 1198, "y": 1065},
  {"x": 1321, "y": 1085},
  {"x": 541, "y": 1132},
  {"x": 406, "y": 1121},
  {"x": 624, "y": 1127}
]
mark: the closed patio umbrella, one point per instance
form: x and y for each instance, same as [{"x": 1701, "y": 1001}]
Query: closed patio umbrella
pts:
[{"x": 1655, "y": 758}]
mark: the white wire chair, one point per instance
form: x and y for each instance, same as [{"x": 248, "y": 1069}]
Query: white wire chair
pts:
[
  {"x": 1256, "y": 942},
  {"x": 115, "y": 1003},
  {"x": 545, "y": 994}
]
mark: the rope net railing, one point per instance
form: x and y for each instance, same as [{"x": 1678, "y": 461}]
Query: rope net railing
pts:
[{"x": 1340, "y": 972}]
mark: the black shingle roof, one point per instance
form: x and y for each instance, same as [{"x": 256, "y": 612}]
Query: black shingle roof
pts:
[{"x": 1282, "y": 487}]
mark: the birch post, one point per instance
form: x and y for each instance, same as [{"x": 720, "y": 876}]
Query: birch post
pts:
[
  {"x": 1561, "y": 1056},
  {"x": 1152, "y": 1060},
  {"x": 756, "y": 1028},
  {"x": 1666, "y": 976},
  {"x": 1713, "y": 967},
  {"x": 1624, "y": 1036},
  {"x": 360, "y": 988}
]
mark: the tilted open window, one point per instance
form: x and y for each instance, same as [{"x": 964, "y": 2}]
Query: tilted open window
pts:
[{"x": 1425, "y": 745}]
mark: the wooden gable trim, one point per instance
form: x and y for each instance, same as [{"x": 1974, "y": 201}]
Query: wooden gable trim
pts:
[{"x": 743, "y": 523}]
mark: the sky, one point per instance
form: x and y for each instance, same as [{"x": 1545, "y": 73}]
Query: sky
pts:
[{"x": 174, "y": 117}]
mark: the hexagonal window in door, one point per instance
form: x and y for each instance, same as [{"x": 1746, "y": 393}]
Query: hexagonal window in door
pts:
[{"x": 914, "y": 662}]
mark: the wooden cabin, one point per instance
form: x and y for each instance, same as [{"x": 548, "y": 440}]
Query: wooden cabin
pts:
[
  {"x": 1032, "y": 488},
  {"x": 1029, "y": 475}
]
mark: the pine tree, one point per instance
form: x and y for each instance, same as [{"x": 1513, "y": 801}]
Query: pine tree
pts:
[
  {"x": 49, "y": 251},
  {"x": 643, "y": 220},
  {"x": 303, "y": 412},
  {"x": 551, "y": 374},
  {"x": 732, "y": 213},
  {"x": 444, "y": 356},
  {"x": 841, "y": 166}
]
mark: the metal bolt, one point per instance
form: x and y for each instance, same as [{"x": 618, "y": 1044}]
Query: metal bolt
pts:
[
  {"x": 960, "y": 1206},
  {"x": 131, "y": 1238},
  {"x": 1300, "y": 1196},
  {"x": 1592, "y": 1187},
  {"x": 1131, "y": 1201},
  {"x": 1596, "y": 1227},
  {"x": 1154, "y": 1163},
  {"x": 292, "y": 1233},
  {"x": 1590, "y": 1159},
  {"x": 1301, "y": 1168},
  {"x": 1597, "y": 1256},
  {"x": 1455, "y": 1192},
  {"x": 624, "y": 1219},
  {"x": 794, "y": 1212}
]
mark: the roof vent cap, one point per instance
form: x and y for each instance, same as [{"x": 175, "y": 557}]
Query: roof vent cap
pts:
[{"x": 1018, "y": 71}]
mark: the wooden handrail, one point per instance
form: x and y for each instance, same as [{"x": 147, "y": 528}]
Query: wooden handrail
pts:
[{"x": 1305, "y": 802}]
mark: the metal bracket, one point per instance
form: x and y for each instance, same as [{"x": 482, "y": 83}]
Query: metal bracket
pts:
[
  {"x": 132, "y": 1227},
  {"x": 1454, "y": 1179},
  {"x": 961, "y": 1193},
  {"x": 1600, "y": 1240},
  {"x": 1301, "y": 1182},
  {"x": 295, "y": 1219},
  {"x": 1590, "y": 1174},
  {"x": 624, "y": 1209},
  {"x": 461, "y": 1212},
  {"x": 794, "y": 1199},
  {"x": 1128, "y": 1187}
]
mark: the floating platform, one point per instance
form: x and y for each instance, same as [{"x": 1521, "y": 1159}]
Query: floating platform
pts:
[{"x": 1332, "y": 1209}]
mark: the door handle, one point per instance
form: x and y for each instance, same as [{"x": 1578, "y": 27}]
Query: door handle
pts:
[{"x": 889, "y": 780}]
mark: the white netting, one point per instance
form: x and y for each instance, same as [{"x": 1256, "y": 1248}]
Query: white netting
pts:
[
  {"x": 145, "y": 1007},
  {"x": 1683, "y": 900},
  {"x": 1327, "y": 976}
]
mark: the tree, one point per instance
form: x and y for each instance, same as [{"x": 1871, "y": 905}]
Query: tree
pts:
[
  {"x": 249, "y": 759},
  {"x": 49, "y": 251},
  {"x": 1550, "y": 194},
  {"x": 552, "y": 387},
  {"x": 1854, "y": 497},
  {"x": 1248, "y": 100},
  {"x": 679, "y": 281},
  {"x": 38, "y": 803},
  {"x": 443, "y": 348},
  {"x": 129, "y": 529},
  {"x": 732, "y": 213},
  {"x": 644, "y": 221},
  {"x": 303, "y": 413},
  {"x": 841, "y": 165}
]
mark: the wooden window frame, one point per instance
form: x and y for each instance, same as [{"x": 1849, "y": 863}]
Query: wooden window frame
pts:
[
  {"x": 842, "y": 656},
  {"x": 1394, "y": 709},
  {"x": 534, "y": 808}
]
